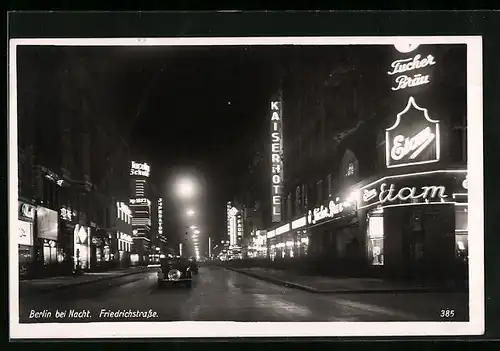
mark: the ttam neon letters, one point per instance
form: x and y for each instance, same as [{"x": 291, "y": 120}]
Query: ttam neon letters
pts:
[{"x": 389, "y": 193}]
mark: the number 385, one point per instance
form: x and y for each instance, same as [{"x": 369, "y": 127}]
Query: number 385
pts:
[{"x": 447, "y": 313}]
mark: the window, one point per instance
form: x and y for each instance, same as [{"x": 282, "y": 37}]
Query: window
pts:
[
  {"x": 461, "y": 231},
  {"x": 376, "y": 239},
  {"x": 350, "y": 169},
  {"x": 49, "y": 254},
  {"x": 349, "y": 164}
]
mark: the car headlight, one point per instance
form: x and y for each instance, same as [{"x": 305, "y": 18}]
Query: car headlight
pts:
[{"x": 174, "y": 274}]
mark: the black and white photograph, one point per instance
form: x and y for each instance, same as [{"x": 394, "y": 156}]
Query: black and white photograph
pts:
[{"x": 197, "y": 187}]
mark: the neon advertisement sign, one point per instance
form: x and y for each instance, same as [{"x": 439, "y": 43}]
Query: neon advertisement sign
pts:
[
  {"x": 140, "y": 201},
  {"x": 414, "y": 188},
  {"x": 139, "y": 169},
  {"x": 160, "y": 216},
  {"x": 414, "y": 139},
  {"x": 334, "y": 208},
  {"x": 276, "y": 161},
  {"x": 404, "y": 81}
]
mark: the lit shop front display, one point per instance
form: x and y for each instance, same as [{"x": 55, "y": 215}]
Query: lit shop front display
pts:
[
  {"x": 416, "y": 218},
  {"x": 289, "y": 240},
  {"x": 26, "y": 217},
  {"x": 82, "y": 240},
  {"x": 47, "y": 236}
]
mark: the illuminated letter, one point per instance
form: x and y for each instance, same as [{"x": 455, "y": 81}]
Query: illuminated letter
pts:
[
  {"x": 275, "y": 137},
  {"x": 275, "y": 158},
  {"x": 274, "y": 105},
  {"x": 434, "y": 190},
  {"x": 275, "y": 147},
  {"x": 411, "y": 193},
  {"x": 275, "y": 116}
]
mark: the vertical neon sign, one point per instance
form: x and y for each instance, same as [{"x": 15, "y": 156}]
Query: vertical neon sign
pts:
[{"x": 276, "y": 159}]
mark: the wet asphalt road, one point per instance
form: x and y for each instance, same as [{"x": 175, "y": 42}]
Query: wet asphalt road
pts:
[{"x": 218, "y": 294}]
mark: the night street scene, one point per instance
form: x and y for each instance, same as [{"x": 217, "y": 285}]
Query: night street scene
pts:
[{"x": 249, "y": 183}]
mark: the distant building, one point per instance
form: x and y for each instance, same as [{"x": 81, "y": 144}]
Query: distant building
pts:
[{"x": 142, "y": 209}]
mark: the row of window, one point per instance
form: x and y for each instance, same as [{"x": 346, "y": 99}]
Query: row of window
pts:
[
  {"x": 127, "y": 218},
  {"x": 124, "y": 246}
]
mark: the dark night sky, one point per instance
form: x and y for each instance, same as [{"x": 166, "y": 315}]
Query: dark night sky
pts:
[{"x": 195, "y": 107}]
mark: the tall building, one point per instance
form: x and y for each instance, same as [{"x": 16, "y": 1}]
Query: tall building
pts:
[
  {"x": 141, "y": 207},
  {"x": 69, "y": 184},
  {"x": 354, "y": 196}
]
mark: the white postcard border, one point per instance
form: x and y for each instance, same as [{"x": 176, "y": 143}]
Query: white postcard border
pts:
[{"x": 475, "y": 326}]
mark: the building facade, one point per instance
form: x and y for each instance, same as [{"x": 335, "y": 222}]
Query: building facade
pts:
[
  {"x": 71, "y": 172},
  {"x": 377, "y": 181},
  {"x": 142, "y": 209}
]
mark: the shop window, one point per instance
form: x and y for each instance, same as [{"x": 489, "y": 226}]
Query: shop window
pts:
[
  {"x": 25, "y": 254},
  {"x": 376, "y": 239},
  {"x": 49, "y": 254},
  {"x": 461, "y": 231}
]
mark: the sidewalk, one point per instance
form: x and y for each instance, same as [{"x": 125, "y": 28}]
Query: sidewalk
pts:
[
  {"x": 56, "y": 283},
  {"x": 318, "y": 284}
]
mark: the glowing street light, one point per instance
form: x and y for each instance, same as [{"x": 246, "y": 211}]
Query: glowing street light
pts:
[
  {"x": 197, "y": 232},
  {"x": 185, "y": 188},
  {"x": 193, "y": 227},
  {"x": 190, "y": 212}
]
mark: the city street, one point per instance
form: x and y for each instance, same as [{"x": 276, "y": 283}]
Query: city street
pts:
[{"x": 219, "y": 294}]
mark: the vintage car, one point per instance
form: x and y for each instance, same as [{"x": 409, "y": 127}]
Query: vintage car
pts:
[
  {"x": 193, "y": 265},
  {"x": 174, "y": 270}
]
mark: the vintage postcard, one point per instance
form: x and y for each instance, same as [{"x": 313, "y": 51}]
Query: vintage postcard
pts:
[{"x": 245, "y": 187}]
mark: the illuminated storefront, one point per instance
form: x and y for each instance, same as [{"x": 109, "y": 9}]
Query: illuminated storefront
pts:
[
  {"x": 258, "y": 245},
  {"x": 82, "y": 240},
  {"x": 47, "y": 236},
  {"x": 416, "y": 220},
  {"x": 124, "y": 233},
  {"x": 26, "y": 216}
]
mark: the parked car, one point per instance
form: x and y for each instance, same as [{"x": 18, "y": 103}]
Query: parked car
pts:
[{"x": 174, "y": 270}]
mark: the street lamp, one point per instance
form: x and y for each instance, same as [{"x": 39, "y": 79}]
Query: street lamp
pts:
[
  {"x": 193, "y": 227},
  {"x": 190, "y": 212},
  {"x": 185, "y": 188},
  {"x": 197, "y": 232}
]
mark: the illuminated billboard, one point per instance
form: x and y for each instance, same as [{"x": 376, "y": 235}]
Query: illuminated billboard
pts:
[
  {"x": 276, "y": 159},
  {"x": 413, "y": 138},
  {"x": 160, "y": 216},
  {"x": 139, "y": 169}
]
